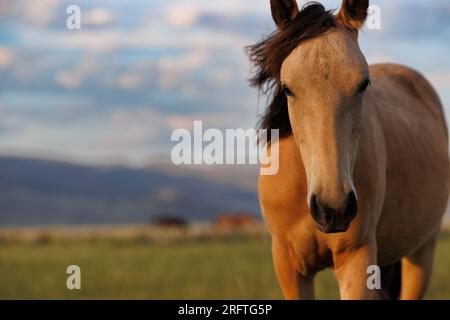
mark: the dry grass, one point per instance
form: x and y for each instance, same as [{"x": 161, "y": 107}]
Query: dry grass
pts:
[
  {"x": 130, "y": 233},
  {"x": 145, "y": 262},
  {"x": 133, "y": 233}
]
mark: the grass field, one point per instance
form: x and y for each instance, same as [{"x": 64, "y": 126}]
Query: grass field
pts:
[{"x": 238, "y": 268}]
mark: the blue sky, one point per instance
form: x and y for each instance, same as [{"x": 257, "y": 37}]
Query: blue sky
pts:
[{"x": 114, "y": 90}]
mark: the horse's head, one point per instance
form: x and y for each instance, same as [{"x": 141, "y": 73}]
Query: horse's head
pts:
[{"x": 320, "y": 78}]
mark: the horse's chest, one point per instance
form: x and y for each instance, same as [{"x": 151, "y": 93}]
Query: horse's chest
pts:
[{"x": 310, "y": 256}]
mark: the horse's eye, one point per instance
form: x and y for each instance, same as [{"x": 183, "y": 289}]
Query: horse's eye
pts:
[
  {"x": 287, "y": 91},
  {"x": 363, "y": 86}
]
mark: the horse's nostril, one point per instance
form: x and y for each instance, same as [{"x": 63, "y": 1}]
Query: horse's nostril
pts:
[
  {"x": 314, "y": 207},
  {"x": 317, "y": 210},
  {"x": 323, "y": 214},
  {"x": 351, "y": 205}
]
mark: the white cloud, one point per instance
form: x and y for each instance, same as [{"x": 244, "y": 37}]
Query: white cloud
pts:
[
  {"x": 6, "y": 57},
  {"x": 184, "y": 16},
  {"x": 40, "y": 12},
  {"x": 210, "y": 120},
  {"x": 138, "y": 76},
  {"x": 134, "y": 127},
  {"x": 98, "y": 17},
  {"x": 176, "y": 44},
  {"x": 222, "y": 77},
  {"x": 73, "y": 78},
  {"x": 172, "y": 70},
  {"x": 229, "y": 6},
  {"x": 130, "y": 81},
  {"x": 68, "y": 79},
  {"x": 149, "y": 36}
]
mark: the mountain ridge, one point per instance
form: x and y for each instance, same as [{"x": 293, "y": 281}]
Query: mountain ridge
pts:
[{"x": 42, "y": 192}]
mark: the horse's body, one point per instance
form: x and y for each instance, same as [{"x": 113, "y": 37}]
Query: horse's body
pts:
[{"x": 400, "y": 174}]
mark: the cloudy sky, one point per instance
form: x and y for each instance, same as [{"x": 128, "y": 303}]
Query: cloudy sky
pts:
[{"x": 114, "y": 90}]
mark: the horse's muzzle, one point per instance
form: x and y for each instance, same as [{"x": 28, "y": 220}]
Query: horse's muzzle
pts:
[{"x": 330, "y": 220}]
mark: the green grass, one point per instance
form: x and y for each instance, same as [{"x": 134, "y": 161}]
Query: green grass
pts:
[{"x": 212, "y": 269}]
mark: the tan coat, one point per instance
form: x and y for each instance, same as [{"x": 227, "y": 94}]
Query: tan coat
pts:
[{"x": 388, "y": 146}]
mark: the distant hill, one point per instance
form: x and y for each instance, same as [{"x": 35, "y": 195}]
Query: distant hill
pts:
[
  {"x": 242, "y": 176},
  {"x": 40, "y": 192}
]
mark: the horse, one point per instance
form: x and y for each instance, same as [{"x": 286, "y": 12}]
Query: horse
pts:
[{"x": 363, "y": 174}]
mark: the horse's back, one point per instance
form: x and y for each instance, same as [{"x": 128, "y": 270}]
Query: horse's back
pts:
[
  {"x": 411, "y": 84},
  {"x": 417, "y": 164}
]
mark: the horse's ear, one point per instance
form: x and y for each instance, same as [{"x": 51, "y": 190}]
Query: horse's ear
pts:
[
  {"x": 353, "y": 13},
  {"x": 283, "y": 11}
]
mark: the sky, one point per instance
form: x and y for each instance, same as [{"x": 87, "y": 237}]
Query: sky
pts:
[{"x": 114, "y": 91}]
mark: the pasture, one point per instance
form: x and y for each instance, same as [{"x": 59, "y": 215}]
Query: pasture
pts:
[{"x": 226, "y": 267}]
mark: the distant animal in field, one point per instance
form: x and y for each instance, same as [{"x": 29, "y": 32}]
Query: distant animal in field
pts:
[
  {"x": 236, "y": 221},
  {"x": 166, "y": 221},
  {"x": 364, "y": 166}
]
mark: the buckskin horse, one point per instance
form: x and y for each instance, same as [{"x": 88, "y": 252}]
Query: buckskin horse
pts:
[{"x": 364, "y": 167}]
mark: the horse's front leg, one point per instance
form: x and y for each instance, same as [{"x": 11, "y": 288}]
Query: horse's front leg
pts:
[
  {"x": 416, "y": 271},
  {"x": 294, "y": 285},
  {"x": 350, "y": 267}
]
